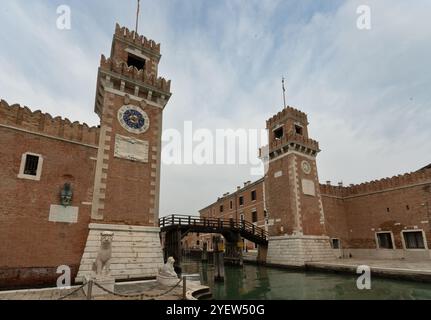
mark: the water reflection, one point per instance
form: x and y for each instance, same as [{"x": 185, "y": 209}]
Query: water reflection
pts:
[{"x": 262, "y": 283}]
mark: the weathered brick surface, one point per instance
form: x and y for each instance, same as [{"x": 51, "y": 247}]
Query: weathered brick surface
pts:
[
  {"x": 29, "y": 241},
  {"x": 108, "y": 189}
]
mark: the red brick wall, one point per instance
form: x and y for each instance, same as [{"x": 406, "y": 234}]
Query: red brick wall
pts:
[
  {"x": 354, "y": 214},
  {"x": 32, "y": 247},
  {"x": 129, "y": 184}
]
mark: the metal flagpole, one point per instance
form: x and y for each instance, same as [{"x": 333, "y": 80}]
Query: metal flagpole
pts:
[
  {"x": 284, "y": 93},
  {"x": 137, "y": 16}
]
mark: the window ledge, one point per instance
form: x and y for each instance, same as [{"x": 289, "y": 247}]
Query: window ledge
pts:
[{"x": 28, "y": 177}]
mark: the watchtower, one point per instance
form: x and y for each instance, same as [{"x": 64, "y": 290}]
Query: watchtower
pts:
[{"x": 297, "y": 223}]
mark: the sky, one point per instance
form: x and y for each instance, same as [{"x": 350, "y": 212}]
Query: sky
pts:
[{"x": 366, "y": 92}]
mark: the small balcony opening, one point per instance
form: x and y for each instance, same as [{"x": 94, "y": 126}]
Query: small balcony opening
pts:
[{"x": 136, "y": 62}]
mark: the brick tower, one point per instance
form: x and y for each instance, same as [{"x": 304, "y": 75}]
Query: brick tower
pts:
[
  {"x": 130, "y": 99},
  {"x": 297, "y": 222}
]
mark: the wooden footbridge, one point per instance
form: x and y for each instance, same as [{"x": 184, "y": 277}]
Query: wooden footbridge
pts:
[{"x": 176, "y": 227}]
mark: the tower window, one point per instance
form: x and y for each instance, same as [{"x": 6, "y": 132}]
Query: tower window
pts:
[
  {"x": 241, "y": 201},
  {"x": 278, "y": 133},
  {"x": 298, "y": 130},
  {"x": 136, "y": 62},
  {"x": 221, "y": 208},
  {"x": 231, "y": 204}
]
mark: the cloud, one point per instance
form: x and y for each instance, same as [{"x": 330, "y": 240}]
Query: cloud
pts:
[{"x": 366, "y": 92}]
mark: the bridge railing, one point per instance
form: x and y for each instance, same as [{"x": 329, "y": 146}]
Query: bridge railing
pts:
[{"x": 242, "y": 225}]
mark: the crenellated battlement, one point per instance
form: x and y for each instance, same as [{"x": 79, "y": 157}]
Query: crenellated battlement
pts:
[
  {"x": 291, "y": 137},
  {"x": 23, "y": 118},
  {"x": 141, "y": 41},
  {"x": 412, "y": 178},
  {"x": 132, "y": 72},
  {"x": 288, "y": 111}
]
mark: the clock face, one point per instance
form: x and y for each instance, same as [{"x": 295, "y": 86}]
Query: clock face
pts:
[
  {"x": 133, "y": 119},
  {"x": 306, "y": 167}
]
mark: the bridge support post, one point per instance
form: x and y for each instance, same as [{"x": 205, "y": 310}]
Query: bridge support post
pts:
[
  {"x": 262, "y": 252},
  {"x": 234, "y": 250},
  {"x": 218, "y": 259},
  {"x": 204, "y": 256}
]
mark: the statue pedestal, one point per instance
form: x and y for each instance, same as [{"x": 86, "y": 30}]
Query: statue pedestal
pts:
[
  {"x": 106, "y": 281},
  {"x": 167, "y": 281}
]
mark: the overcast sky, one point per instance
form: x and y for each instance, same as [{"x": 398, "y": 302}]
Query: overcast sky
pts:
[{"x": 367, "y": 92}]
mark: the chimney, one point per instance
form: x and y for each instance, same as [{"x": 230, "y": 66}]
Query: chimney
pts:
[
  {"x": 340, "y": 184},
  {"x": 328, "y": 183}
]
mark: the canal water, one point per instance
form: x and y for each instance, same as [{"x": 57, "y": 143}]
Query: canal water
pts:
[{"x": 252, "y": 282}]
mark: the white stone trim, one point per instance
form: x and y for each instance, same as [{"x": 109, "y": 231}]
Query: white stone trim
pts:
[
  {"x": 21, "y": 174},
  {"x": 308, "y": 237},
  {"x": 293, "y": 152},
  {"x": 133, "y": 97},
  {"x": 414, "y": 230},
  {"x": 138, "y": 54},
  {"x": 117, "y": 227}
]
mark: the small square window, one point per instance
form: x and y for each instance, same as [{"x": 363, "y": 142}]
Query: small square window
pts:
[
  {"x": 31, "y": 163},
  {"x": 254, "y": 216},
  {"x": 253, "y": 195},
  {"x": 31, "y": 166},
  {"x": 385, "y": 240},
  {"x": 414, "y": 240},
  {"x": 335, "y": 243},
  {"x": 298, "y": 130}
]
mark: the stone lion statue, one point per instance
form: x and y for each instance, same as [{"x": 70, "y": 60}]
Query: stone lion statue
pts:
[
  {"x": 102, "y": 263},
  {"x": 168, "y": 269}
]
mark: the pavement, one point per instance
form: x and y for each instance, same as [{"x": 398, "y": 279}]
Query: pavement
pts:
[
  {"x": 399, "y": 269},
  {"x": 129, "y": 288}
]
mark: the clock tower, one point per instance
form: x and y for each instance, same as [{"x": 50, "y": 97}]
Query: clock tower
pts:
[
  {"x": 130, "y": 99},
  {"x": 297, "y": 222}
]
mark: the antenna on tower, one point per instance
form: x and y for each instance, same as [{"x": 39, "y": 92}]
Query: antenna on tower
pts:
[
  {"x": 137, "y": 16},
  {"x": 284, "y": 92}
]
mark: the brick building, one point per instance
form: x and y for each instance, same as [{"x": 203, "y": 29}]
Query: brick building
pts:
[
  {"x": 63, "y": 183},
  {"x": 388, "y": 218}
]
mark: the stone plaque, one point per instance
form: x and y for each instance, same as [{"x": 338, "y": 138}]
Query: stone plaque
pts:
[
  {"x": 63, "y": 214},
  {"x": 308, "y": 187},
  {"x": 131, "y": 149}
]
